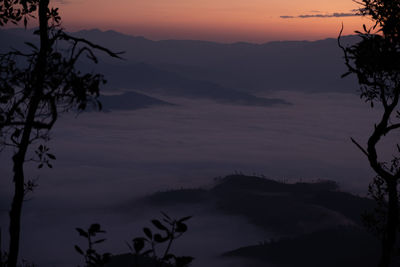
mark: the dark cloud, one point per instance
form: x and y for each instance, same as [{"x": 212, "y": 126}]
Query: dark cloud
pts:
[{"x": 332, "y": 15}]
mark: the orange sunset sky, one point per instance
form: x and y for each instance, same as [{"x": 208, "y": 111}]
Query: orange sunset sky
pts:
[{"x": 215, "y": 20}]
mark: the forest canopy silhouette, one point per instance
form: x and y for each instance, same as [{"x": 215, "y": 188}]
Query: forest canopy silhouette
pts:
[
  {"x": 375, "y": 60},
  {"x": 35, "y": 88}
]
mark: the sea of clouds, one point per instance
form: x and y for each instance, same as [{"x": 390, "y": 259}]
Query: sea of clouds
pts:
[{"x": 107, "y": 160}]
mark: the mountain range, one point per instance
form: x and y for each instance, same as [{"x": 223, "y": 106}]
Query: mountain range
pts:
[{"x": 235, "y": 73}]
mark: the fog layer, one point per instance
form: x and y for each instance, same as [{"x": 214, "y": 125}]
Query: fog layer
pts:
[{"x": 107, "y": 160}]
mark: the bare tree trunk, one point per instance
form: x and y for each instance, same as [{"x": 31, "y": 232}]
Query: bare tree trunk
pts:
[
  {"x": 390, "y": 235},
  {"x": 19, "y": 157},
  {"x": 16, "y": 208}
]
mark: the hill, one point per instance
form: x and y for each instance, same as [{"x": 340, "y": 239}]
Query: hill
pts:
[
  {"x": 329, "y": 248},
  {"x": 287, "y": 209},
  {"x": 316, "y": 223}
]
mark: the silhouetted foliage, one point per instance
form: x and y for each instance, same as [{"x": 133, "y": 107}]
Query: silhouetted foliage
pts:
[
  {"x": 35, "y": 88},
  {"x": 375, "y": 220},
  {"x": 151, "y": 250},
  {"x": 167, "y": 231},
  {"x": 376, "y": 62},
  {"x": 91, "y": 257}
]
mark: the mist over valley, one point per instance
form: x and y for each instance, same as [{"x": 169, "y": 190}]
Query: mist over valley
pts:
[{"x": 181, "y": 115}]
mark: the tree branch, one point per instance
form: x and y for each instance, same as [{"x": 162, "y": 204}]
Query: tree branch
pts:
[
  {"x": 64, "y": 36},
  {"x": 391, "y": 127},
  {"x": 359, "y": 146}
]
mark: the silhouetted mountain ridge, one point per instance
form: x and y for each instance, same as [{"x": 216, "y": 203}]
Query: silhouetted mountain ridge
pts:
[
  {"x": 131, "y": 74},
  {"x": 149, "y": 79},
  {"x": 307, "y": 207},
  {"x": 312, "y": 66}
]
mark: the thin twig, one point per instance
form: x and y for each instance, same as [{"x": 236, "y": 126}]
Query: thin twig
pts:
[
  {"x": 65, "y": 36},
  {"x": 359, "y": 146}
]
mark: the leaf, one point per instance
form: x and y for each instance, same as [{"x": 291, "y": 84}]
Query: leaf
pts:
[
  {"x": 181, "y": 227},
  {"x": 138, "y": 244},
  {"x": 95, "y": 228},
  {"x": 185, "y": 218},
  {"x": 165, "y": 215},
  {"x": 79, "y": 250},
  {"x": 346, "y": 74},
  {"x": 93, "y": 258},
  {"x": 32, "y": 45},
  {"x": 147, "y": 252},
  {"x": 159, "y": 225},
  {"x": 159, "y": 239},
  {"x": 148, "y": 233},
  {"x": 99, "y": 241},
  {"x": 82, "y": 232},
  {"x": 51, "y": 156}
]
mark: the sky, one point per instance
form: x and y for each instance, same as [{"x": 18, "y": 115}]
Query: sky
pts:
[{"x": 215, "y": 20}]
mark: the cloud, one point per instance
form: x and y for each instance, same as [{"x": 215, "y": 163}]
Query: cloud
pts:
[
  {"x": 287, "y": 17},
  {"x": 331, "y": 15}
]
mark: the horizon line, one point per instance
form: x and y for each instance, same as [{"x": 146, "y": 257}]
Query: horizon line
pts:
[{"x": 13, "y": 27}]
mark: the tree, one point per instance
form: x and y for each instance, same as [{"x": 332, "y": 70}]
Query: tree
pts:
[
  {"x": 35, "y": 88},
  {"x": 375, "y": 59}
]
